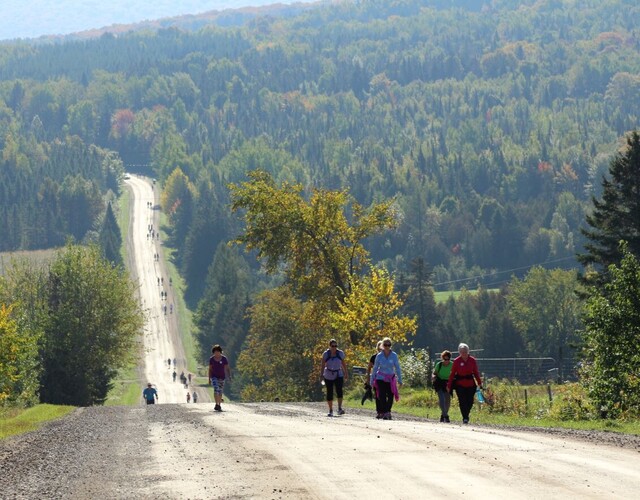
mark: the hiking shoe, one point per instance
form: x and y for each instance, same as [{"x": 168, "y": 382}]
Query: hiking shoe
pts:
[
  {"x": 465, "y": 420},
  {"x": 441, "y": 418},
  {"x": 217, "y": 408},
  {"x": 386, "y": 416},
  {"x": 340, "y": 411},
  {"x": 330, "y": 414},
  {"x": 379, "y": 415},
  {"x": 446, "y": 419}
]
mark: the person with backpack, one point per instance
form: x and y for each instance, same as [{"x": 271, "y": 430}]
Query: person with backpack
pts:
[
  {"x": 218, "y": 371},
  {"x": 386, "y": 378},
  {"x": 439, "y": 378},
  {"x": 334, "y": 374},
  {"x": 463, "y": 377}
]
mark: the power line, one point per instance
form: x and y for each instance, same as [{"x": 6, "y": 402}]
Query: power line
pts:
[{"x": 501, "y": 272}]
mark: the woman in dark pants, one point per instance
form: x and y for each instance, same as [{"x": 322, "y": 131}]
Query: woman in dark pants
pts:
[
  {"x": 463, "y": 377},
  {"x": 386, "y": 378},
  {"x": 334, "y": 374},
  {"x": 372, "y": 362}
]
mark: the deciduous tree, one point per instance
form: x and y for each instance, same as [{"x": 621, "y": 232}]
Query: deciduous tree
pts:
[{"x": 612, "y": 340}]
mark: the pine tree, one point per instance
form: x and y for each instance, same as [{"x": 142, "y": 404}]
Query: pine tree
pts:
[
  {"x": 110, "y": 238},
  {"x": 616, "y": 216}
]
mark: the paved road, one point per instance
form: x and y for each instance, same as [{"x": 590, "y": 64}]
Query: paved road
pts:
[{"x": 161, "y": 341}]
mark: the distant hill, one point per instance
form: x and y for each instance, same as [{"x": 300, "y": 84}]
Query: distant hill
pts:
[{"x": 42, "y": 18}]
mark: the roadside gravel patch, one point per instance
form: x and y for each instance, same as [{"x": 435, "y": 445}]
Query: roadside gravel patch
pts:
[{"x": 93, "y": 452}]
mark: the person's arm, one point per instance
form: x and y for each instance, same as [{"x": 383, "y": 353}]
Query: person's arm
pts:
[
  {"x": 369, "y": 368},
  {"x": 375, "y": 369},
  {"x": 436, "y": 369},
  {"x": 227, "y": 371},
  {"x": 396, "y": 361},
  {"x": 476, "y": 373},
  {"x": 324, "y": 362},
  {"x": 344, "y": 369},
  {"x": 454, "y": 368},
  {"x": 210, "y": 370}
]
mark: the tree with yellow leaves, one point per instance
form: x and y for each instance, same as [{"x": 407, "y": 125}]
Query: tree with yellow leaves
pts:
[{"x": 318, "y": 243}]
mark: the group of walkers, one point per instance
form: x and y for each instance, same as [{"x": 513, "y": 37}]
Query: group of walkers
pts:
[
  {"x": 461, "y": 375},
  {"x": 383, "y": 375},
  {"x": 384, "y": 379}
]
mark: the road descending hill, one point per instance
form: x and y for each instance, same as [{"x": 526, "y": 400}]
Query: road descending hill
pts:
[
  {"x": 279, "y": 450},
  {"x": 161, "y": 340}
]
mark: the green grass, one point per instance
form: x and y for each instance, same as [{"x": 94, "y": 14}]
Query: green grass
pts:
[
  {"x": 19, "y": 421},
  {"x": 37, "y": 257},
  {"x": 127, "y": 388},
  {"x": 514, "y": 412},
  {"x": 124, "y": 217},
  {"x": 444, "y": 296}
]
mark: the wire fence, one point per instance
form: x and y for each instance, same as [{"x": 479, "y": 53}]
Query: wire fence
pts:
[{"x": 529, "y": 370}]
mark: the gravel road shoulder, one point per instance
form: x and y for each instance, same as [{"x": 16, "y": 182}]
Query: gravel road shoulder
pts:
[{"x": 259, "y": 450}]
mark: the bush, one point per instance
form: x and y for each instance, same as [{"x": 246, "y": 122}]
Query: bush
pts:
[
  {"x": 571, "y": 403},
  {"x": 416, "y": 367}
]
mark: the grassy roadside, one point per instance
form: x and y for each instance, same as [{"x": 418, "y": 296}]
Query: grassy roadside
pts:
[
  {"x": 127, "y": 387},
  {"x": 422, "y": 403},
  {"x": 124, "y": 217},
  {"x": 18, "y": 421}
]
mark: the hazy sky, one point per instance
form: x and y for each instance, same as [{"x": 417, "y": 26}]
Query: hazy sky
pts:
[{"x": 33, "y": 18}]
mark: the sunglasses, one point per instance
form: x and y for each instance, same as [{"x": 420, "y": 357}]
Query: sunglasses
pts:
[
  {"x": 333, "y": 345},
  {"x": 386, "y": 345}
]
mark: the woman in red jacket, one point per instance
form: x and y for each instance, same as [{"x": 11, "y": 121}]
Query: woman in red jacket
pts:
[{"x": 463, "y": 377}]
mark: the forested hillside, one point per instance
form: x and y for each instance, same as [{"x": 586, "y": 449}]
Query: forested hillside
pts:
[{"x": 489, "y": 123}]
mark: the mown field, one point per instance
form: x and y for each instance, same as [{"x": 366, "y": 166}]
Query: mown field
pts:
[
  {"x": 35, "y": 256},
  {"x": 444, "y": 296}
]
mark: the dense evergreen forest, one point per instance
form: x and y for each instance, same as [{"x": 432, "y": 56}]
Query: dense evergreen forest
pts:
[{"x": 490, "y": 124}]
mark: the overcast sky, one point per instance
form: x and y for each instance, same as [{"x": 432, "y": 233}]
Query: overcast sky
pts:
[{"x": 33, "y": 18}]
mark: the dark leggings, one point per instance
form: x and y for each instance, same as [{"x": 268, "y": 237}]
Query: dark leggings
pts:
[
  {"x": 465, "y": 398},
  {"x": 338, "y": 382},
  {"x": 385, "y": 395}
]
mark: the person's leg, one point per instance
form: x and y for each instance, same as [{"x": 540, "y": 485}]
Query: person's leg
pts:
[
  {"x": 329, "y": 384},
  {"x": 441, "y": 404},
  {"x": 218, "y": 386},
  {"x": 386, "y": 396},
  {"x": 465, "y": 398},
  {"x": 378, "y": 403},
  {"x": 447, "y": 404},
  {"x": 470, "y": 395},
  {"x": 461, "y": 400},
  {"x": 339, "y": 393}
]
